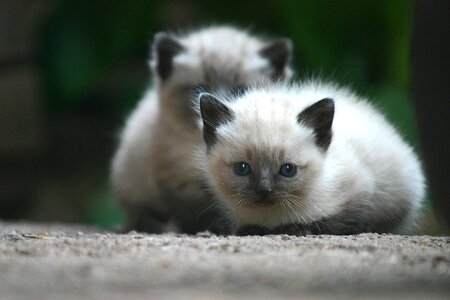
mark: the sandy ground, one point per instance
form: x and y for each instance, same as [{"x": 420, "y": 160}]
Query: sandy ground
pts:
[{"x": 72, "y": 262}]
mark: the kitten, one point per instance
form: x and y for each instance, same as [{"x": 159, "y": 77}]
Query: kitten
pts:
[
  {"x": 308, "y": 158},
  {"x": 151, "y": 171}
]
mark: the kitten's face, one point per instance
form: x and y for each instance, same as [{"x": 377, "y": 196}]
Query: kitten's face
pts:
[
  {"x": 216, "y": 59},
  {"x": 262, "y": 177},
  {"x": 264, "y": 159}
]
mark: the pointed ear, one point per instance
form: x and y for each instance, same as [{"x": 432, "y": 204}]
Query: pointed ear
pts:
[
  {"x": 214, "y": 113},
  {"x": 279, "y": 54},
  {"x": 165, "y": 47},
  {"x": 319, "y": 117}
]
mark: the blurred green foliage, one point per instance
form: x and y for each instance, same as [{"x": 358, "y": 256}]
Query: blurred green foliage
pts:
[{"x": 364, "y": 44}]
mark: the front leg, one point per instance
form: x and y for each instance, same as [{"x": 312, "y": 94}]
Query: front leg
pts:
[
  {"x": 144, "y": 219},
  {"x": 293, "y": 229},
  {"x": 325, "y": 226},
  {"x": 252, "y": 230}
]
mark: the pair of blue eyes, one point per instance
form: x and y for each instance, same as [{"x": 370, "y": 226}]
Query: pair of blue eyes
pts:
[{"x": 243, "y": 169}]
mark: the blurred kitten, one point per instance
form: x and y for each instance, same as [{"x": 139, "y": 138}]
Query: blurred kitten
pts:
[
  {"x": 308, "y": 158},
  {"x": 152, "y": 173}
]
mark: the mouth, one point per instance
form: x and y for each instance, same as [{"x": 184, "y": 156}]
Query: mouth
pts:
[
  {"x": 260, "y": 203},
  {"x": 252, "y": 202}
]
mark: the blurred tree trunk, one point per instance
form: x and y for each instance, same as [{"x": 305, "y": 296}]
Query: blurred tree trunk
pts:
[
  {"x": 430, "y": 56},
  {"x": 22, "y": 136}
]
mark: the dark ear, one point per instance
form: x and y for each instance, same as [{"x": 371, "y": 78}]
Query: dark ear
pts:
[
  {"x": 279, "y": 54},
  {"x": 165, "y": 47},
  {"x": 319, "y": 117},
  {"x": 214, "y": 113}
]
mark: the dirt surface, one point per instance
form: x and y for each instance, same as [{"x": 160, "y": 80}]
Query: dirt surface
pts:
[{"x": 62, "y": 261}]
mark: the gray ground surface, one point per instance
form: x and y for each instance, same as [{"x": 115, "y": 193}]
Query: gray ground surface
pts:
[{"x": 73, "y": 262}]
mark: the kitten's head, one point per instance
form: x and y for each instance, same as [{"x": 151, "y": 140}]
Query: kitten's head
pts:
[
  {"x": 217, "y": 58},
  {"x": 264, "y": 153}
]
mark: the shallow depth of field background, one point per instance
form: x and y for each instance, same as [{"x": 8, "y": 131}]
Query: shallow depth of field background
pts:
[{"x": 71, "y": 71}]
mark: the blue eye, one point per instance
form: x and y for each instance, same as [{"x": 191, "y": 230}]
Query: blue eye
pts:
[
  {"x": 199, "y": 89},
  {"x": 288, "y": 170},
  {"x": 242, "y": 168}
]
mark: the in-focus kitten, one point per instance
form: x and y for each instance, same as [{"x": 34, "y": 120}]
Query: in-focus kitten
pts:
[
  {"x": 152, "y": 172},
  {"x": 308, "y": 158}
]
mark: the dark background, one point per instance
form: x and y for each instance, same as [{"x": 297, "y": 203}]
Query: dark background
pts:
[{"x": 70, "y": 71}]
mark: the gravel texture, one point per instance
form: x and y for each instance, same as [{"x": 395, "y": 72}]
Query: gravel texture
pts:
[{"x": 41, "y": 261}]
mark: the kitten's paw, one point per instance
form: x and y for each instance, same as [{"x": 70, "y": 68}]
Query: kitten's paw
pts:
[
  {"x": 144, "y": 219},
  {"x": 252, "y": 230}
]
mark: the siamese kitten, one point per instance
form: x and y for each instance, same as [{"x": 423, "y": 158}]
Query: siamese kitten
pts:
[
  {"x": 308, "y": 159},
  {"x": 152, "y": 173}
]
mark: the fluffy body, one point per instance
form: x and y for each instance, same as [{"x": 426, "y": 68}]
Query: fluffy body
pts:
[
  {"x": 152, "y": 172},
  {"x": 367, "y": 180}
]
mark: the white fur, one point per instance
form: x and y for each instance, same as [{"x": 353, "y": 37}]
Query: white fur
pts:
[{"x": 366, "y": 161}]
